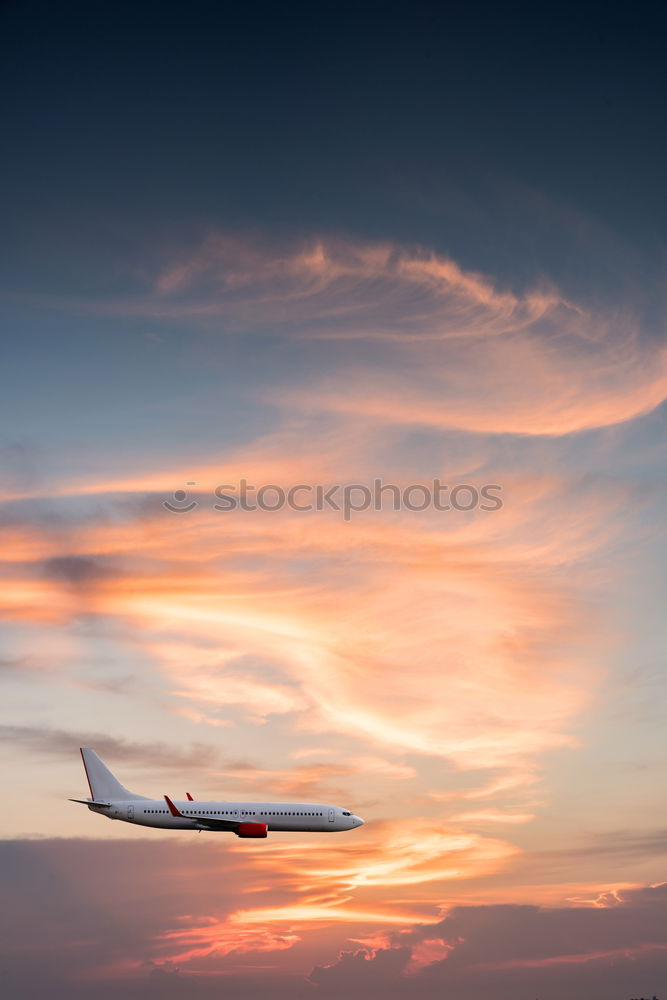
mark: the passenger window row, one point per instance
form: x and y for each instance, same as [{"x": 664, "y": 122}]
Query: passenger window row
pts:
[{"x": 229, "y": 812}]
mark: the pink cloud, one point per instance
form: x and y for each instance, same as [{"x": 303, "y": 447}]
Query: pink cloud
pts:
[
  {"x": 452, "y": 350},
  {"x": 421, "y": 667}
]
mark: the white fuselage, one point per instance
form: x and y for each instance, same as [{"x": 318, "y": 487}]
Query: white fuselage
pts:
[
  {"x": 279, "y": 816},
  {"x": 245, "y": 819}
]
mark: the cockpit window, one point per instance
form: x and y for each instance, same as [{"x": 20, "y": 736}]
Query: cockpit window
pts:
[{"x": 346, "y": 813}]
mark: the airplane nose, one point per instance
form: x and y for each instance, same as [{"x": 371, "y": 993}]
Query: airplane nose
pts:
[{"x": 358, "y": 821}]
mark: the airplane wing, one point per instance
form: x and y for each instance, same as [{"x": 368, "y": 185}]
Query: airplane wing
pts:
[
  {"x": 206, "y": 821},
  {"x": 216, "y": 824}
]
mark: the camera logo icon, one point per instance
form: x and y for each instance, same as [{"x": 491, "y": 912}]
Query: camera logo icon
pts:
[{"x": 179, "y": 505}]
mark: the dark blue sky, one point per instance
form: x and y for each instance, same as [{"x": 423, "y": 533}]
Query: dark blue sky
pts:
[
  {"x": 527, "y": 143},
  {"x": 499, "y": 135}
]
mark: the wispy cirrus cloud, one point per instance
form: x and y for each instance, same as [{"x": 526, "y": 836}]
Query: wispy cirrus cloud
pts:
[
  {"x": 343, "y": 289},
  {"x": 344, "y": 628},
  {"x": 412, "y": 665},
  {"x": 249, "y": 606},
  {"x": 403, "y": 336}
]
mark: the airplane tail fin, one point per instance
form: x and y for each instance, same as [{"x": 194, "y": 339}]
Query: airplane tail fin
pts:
[{"x": 103, "y": 785}]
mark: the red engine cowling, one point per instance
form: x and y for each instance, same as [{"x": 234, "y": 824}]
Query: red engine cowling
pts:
[{"x": 252, "y": 830}]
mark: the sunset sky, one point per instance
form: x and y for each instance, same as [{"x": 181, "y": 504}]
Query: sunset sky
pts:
[{"x": 322, "y": 246}]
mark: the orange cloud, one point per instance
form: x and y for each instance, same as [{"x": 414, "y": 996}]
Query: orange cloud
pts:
[
  {"x": 451, "y": 349},
  {"x": 415, "y": 666},
  {"x": 216, "y": 937},
  {"x": 409, "y": 637}
]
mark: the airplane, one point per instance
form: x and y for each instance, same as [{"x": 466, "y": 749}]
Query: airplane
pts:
[{"x": 246, "y": 819}]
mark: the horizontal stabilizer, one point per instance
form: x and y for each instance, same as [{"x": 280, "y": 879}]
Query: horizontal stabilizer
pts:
[{"x": 89, "y": 802}]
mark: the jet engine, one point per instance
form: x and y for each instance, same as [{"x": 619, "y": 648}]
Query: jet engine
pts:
[{"x": 252, "y": 830}]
